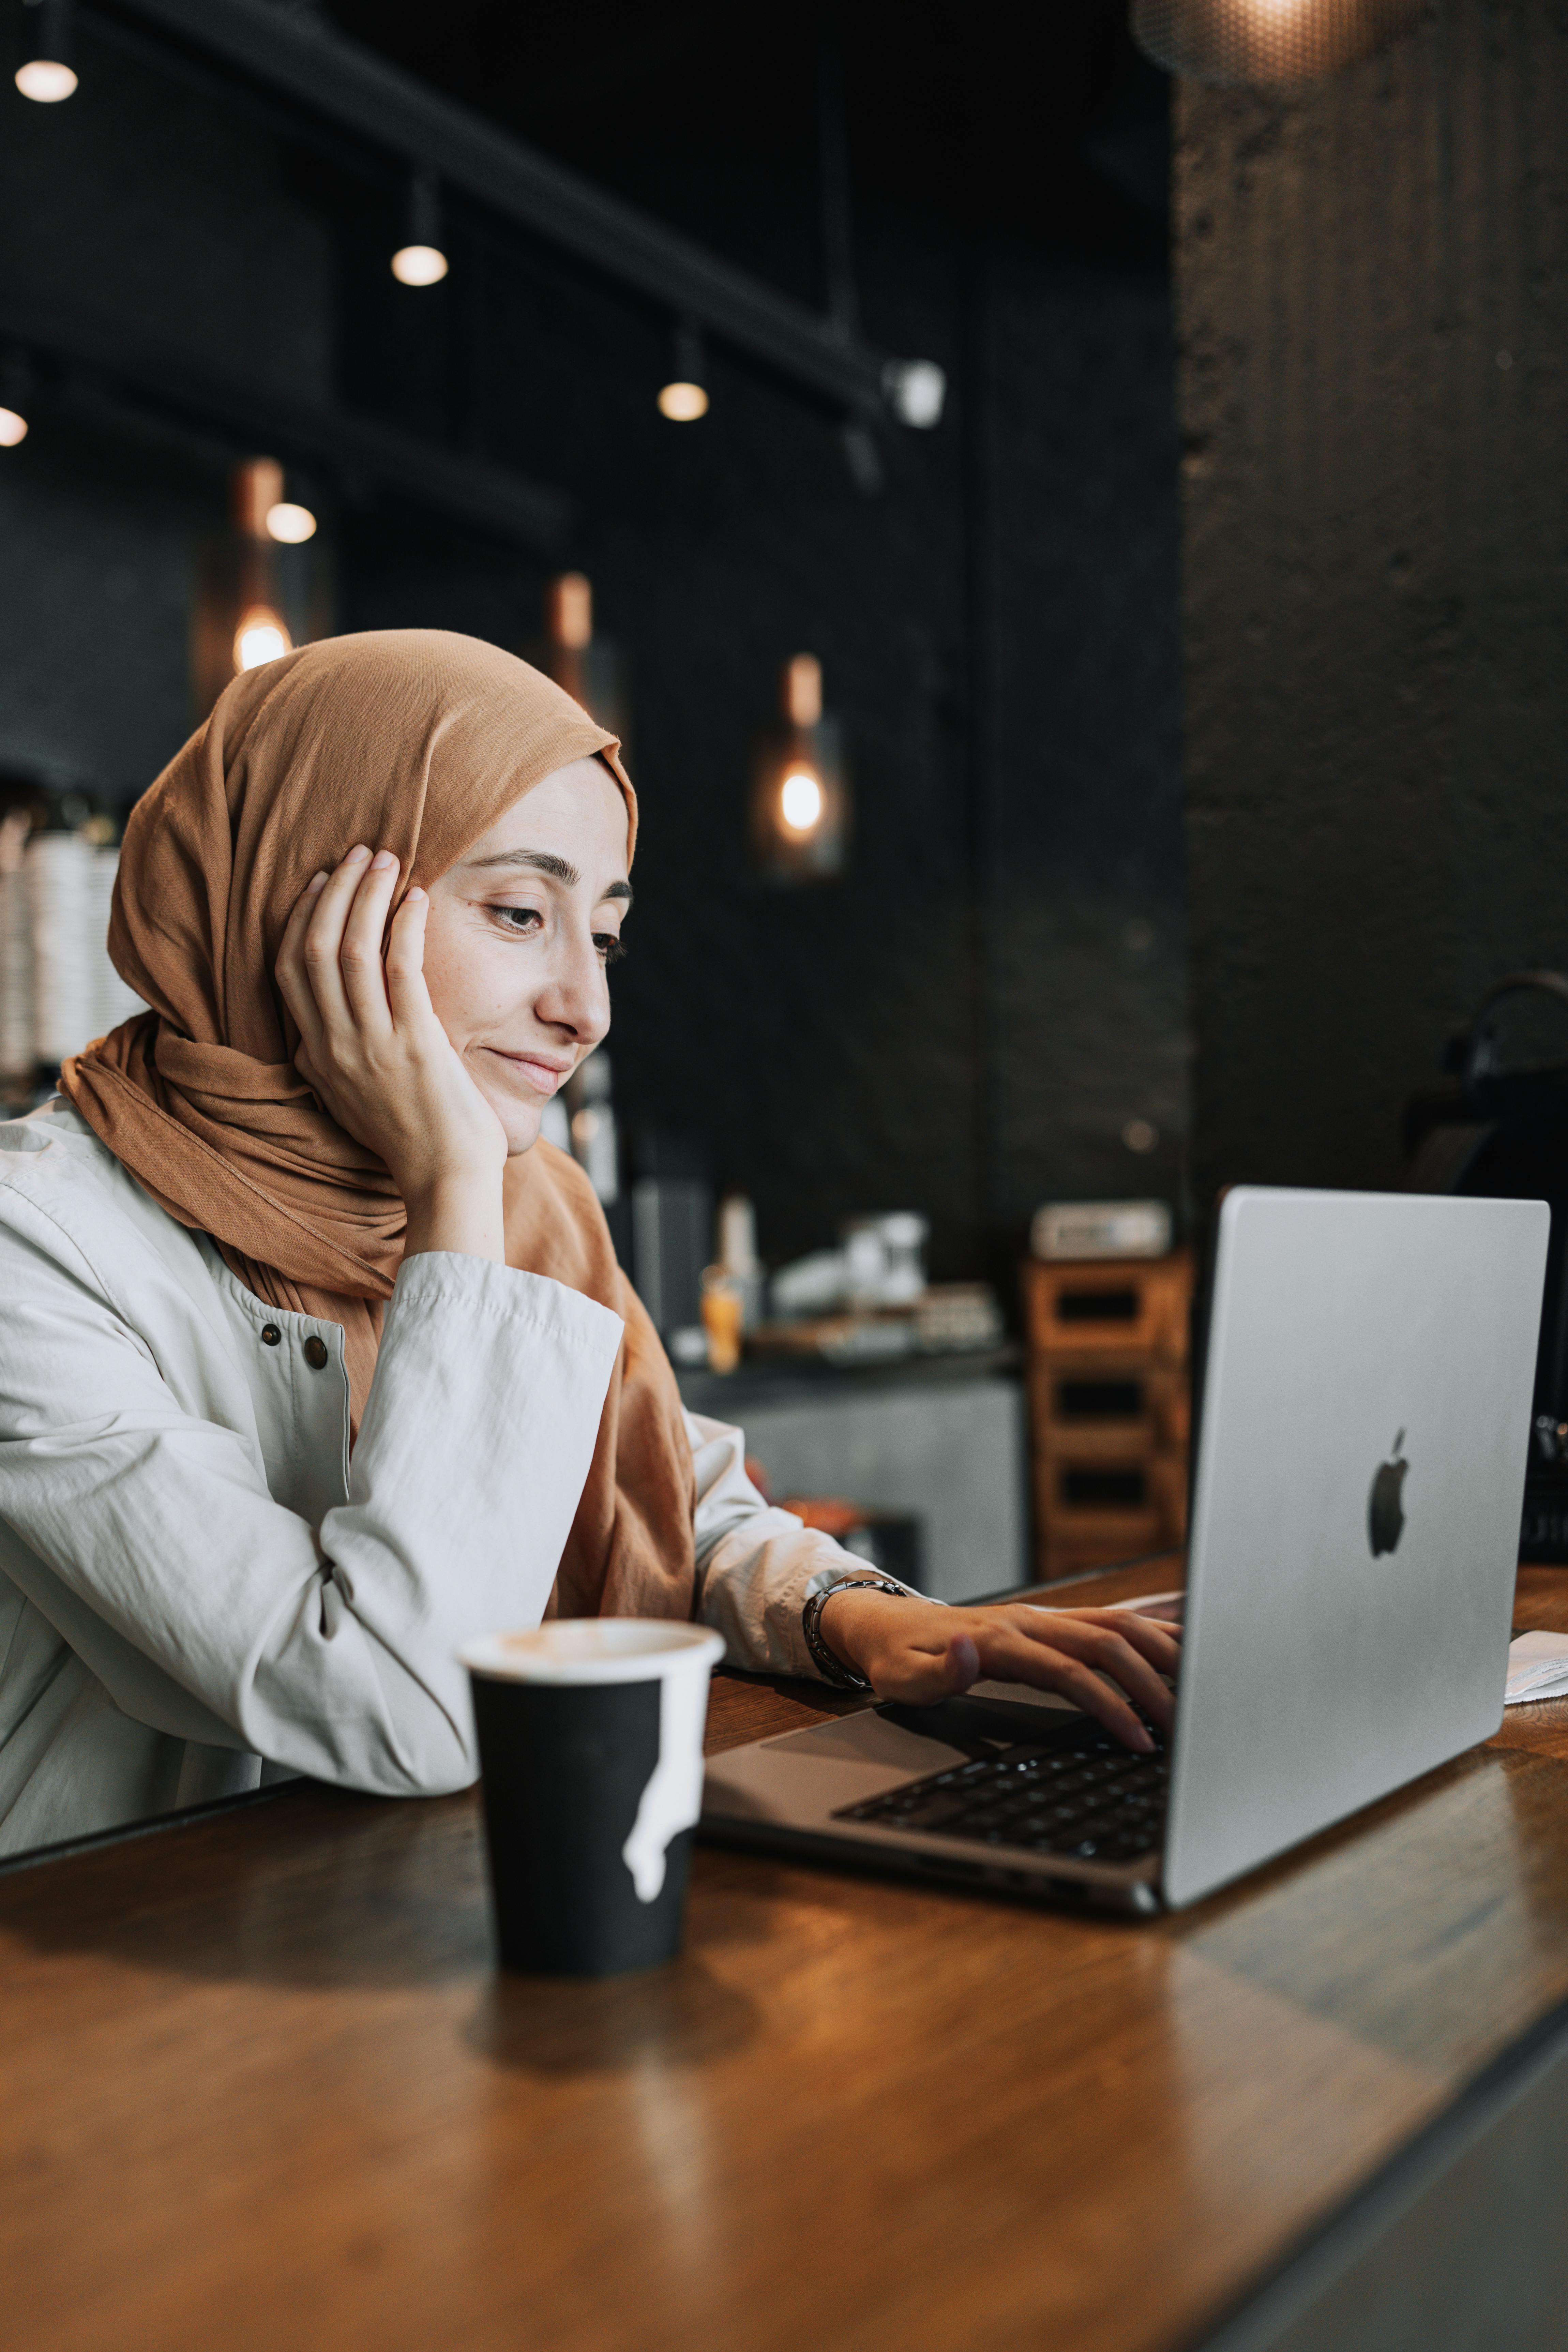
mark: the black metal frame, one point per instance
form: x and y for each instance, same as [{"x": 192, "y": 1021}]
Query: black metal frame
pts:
[{"x": 338, "y": 81}]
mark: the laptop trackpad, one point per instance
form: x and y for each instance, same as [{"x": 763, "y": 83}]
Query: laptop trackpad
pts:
[{"x": 804, "y": 1777}]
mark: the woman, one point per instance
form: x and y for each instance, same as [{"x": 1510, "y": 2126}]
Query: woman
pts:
[{"x": 316, "y": 1361}]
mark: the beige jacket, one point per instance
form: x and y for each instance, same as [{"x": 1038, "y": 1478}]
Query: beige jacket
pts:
[{"x": 198, "y": 1589}]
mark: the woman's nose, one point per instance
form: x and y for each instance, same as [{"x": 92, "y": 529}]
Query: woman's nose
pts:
[{"x": 577, "y": 995}]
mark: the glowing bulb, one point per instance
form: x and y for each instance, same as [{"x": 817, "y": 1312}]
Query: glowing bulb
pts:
[
  {"x": 260, "y": 638},
  {"x": 12, "y": 429},
  {"x": 800, "y": 801},
  {"x": 291, "y": 524},
  {"x": 44, "y": 80},
  {"x": 918, "y": 390},
  {"x": 419, "y": 265},
  {"x": 683, "y": 403}
]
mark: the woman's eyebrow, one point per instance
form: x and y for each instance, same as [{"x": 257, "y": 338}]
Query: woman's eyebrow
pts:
[{"x": 544, "y": 861}]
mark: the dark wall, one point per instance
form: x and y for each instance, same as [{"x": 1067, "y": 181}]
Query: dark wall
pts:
[
  {"x": 968, "y": 1021},
  {"x": 1374, "y": 304},
  {"x": 157, "y": 219}
]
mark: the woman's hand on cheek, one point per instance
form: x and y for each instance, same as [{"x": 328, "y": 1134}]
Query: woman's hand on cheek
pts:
[
  {"x": 373, "y": 1054},
  {"x": 918, "y": 1652}
]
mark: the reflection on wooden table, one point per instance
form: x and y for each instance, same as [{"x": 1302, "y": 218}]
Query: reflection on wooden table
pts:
[{"x": 261, "y": 2084}]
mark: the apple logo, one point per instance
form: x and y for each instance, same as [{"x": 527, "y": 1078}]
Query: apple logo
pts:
[{"x": 1385, "y": 1508}]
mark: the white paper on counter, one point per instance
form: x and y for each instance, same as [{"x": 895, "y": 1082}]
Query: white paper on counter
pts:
[{"x": 1536, "y": 1668}]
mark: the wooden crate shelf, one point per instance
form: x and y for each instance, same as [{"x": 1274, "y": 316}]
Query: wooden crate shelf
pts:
[{"x": 1109, "y": 1406}]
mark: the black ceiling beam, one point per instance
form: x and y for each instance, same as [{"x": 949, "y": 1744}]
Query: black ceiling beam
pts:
[
  {"x": 336, "y": 79},
  {"x": 362, "y": 456}
]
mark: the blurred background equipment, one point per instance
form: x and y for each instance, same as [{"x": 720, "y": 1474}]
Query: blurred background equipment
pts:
[
  {"x": 1502, "y": 1131},
  {"x": 1110, "y": 1402},
  {"x": 923, "y": 1462},
  {"x": 593, "y": 1137},
  {"x": 1072, "y": 1229},
  {"x": 724, "y": 1317},
  {"x": 869, "y": 1301},
  {"x": 738, "y": 1256},
  {"x": 672, "y": 1242}
]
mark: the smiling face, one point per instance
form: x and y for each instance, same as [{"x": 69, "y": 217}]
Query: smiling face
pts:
[{"x": 520, "y": 933}]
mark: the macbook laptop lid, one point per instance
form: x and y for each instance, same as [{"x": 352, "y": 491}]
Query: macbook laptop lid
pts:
[{"x": 1355, "y": 1526}]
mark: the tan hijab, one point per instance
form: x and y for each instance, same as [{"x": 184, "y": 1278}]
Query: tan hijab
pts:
[{"x": 413, "y": 741}]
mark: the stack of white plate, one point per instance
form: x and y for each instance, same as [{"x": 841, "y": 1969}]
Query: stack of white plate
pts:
[
  {"x": 116, "y": 1003},
  {"x": 17, "y": 1055}
]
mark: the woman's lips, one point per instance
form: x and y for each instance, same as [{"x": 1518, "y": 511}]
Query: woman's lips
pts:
[{"x": 545, "y": 1077}]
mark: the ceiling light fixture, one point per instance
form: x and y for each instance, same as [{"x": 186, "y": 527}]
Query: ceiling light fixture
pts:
[
  {"x": 289, "y": 523},
  {"x": 422, "y": 261},
  {"x": 800, "y": 801},
  {"x": 916, "y": 392},
  {"x": 261, "y": 637},
  {"x": 685, "y": 397},
  {"x": 1271, "y": 44},
  {"x": 45, "y": 75}
]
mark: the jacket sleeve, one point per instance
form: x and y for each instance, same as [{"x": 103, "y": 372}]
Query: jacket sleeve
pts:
[
  {"x": 149, "y": 1539},
  {"x": 757, "y": 1565}
]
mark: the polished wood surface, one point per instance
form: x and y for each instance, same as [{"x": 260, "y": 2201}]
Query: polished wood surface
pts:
[{"x": 260, "y": 2086}]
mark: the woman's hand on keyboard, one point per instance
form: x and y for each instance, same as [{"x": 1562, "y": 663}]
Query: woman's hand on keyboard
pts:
[{"x": 918, "y": 1652}]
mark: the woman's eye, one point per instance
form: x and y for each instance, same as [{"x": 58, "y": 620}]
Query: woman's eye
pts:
[
  {"x": 521, "y": 919},
  {"x": 611, "y": 947}
]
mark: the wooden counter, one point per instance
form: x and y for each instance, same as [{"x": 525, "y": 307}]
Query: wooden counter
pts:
[{"x": 259, "y": 2087}]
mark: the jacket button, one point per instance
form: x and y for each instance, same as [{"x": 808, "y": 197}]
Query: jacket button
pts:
[
  {"x": 315, "y": 1352},
  {"x": 270, "y": 1335}
]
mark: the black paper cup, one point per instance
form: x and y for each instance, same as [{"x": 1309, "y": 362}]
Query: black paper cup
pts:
[{"x": 591, "y": 1751}]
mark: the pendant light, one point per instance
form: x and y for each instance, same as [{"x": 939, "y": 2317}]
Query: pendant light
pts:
[
  {"x": 261, "y": 634},
  {"x": 422, "y": 259},
  {"x": 290, "y": 524},
  {"x": 261, "y": 637},
  {"x": 685, "y": 397},
  {"x": 1273, "y": 44},
  {"x": 800, "y": 802},
  {"x": 582, "y": 661},
  {"x": 45, "y": 75}
]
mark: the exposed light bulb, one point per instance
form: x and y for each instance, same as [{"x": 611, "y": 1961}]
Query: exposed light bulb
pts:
[
  {"x": 45, "y": 80},
  {"x": 683, "y": 403},
  {"x": 12, "y": 429},
  {"x": 800, "y": 801},
  {"x": 419, "y": 265},
  {"x": 917, "y": 390},
  {"x": 291, "y": 524},
  {"x": 260, "y": 638}
]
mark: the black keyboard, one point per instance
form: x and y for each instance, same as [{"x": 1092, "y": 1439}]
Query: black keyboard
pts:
[{"x": 1095, "y": 1801}]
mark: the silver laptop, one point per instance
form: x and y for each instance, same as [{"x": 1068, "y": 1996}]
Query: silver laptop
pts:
[{"x": 1360, "y": 1473}]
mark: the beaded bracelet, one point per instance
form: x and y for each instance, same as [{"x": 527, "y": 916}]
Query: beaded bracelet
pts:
[{"x": 830, "y": 1667}]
